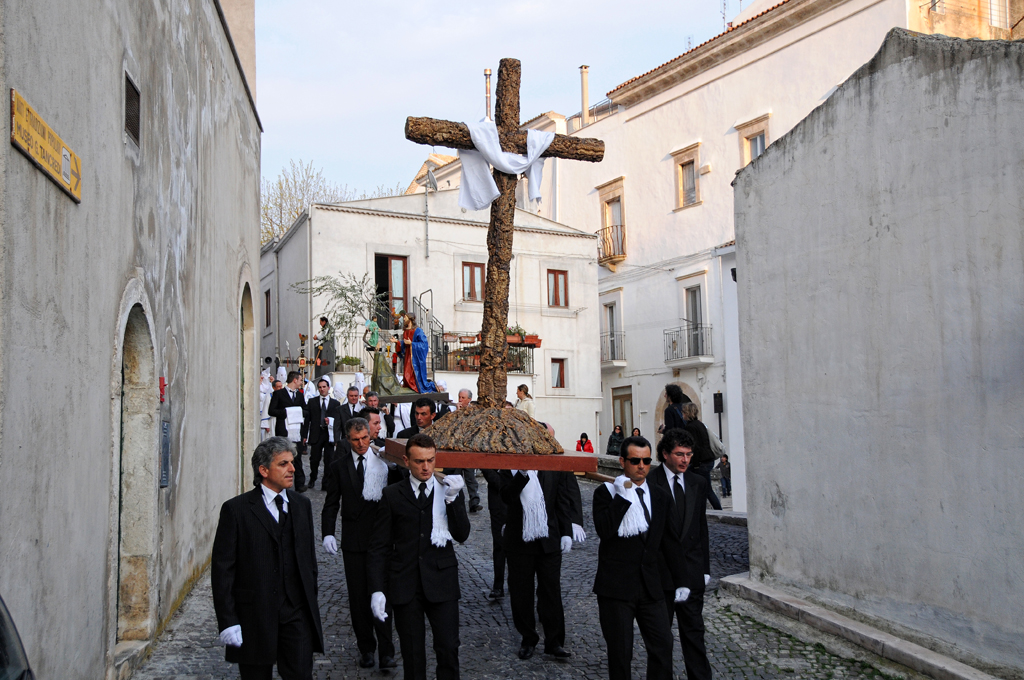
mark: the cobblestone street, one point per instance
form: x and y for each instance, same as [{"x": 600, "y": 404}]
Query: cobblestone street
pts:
[{"x": 739, "y": 646}]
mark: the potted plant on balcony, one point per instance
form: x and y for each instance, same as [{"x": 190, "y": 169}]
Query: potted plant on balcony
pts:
[
  {"x": 531, "y": 339},
  {"x": 349, "y": 362},
  {"x": 514, "y": 334}
]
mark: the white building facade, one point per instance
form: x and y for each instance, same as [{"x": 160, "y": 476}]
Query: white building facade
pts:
[{"x": 443, "y": 274}]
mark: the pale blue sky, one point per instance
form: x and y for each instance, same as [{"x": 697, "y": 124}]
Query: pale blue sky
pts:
[{"x": 336, "y": 80}]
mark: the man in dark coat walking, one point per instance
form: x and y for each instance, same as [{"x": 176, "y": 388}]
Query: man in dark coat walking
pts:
[
  {"x": 264, "y": 572},
  {"x": 357, "y": 481},
  {"x": 685, "y": 547},
  {"x": 280, "y": 401},
  {"x": 321, "y": 437},
  {"x": 412, "y": 562}
]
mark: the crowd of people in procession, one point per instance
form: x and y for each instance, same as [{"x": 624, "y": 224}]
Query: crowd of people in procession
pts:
[{"x": 399, "y": 524}]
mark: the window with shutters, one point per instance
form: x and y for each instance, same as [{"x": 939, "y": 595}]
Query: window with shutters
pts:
[{"x": 686, "y": 162}]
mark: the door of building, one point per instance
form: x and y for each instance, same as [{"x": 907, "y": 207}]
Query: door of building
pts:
[
  {"x": 622, "y": 409},
  {"x": 392, "y": 280}
]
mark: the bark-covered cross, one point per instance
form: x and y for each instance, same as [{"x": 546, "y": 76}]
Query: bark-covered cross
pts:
[{"x": 492, "y": 383}]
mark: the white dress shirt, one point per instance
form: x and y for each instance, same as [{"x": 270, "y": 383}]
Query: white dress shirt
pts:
[
  {"x": 416, "y": 485},
  {"x": 268, "y": 497}
]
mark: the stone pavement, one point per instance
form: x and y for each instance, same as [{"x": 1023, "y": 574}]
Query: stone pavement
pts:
[{"x": 739, "y": 646}]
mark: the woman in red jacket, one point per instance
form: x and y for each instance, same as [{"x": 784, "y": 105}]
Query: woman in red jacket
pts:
[{"x": 584, "y": 444}]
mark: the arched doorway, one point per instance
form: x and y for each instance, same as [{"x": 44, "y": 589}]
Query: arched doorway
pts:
[
  {"x": 248, "y": 418},
  {"x": 139, "y": 468},
  {"x": 659, "y": 409}
]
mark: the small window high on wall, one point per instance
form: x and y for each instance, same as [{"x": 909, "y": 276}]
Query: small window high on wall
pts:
[
  {"x": 472, "y": 281},
  {"x": 558, "y": 288},
  {"x": 558, "y": 373}
]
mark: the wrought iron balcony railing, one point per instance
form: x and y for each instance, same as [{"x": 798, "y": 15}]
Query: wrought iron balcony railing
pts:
[
  {"x": 690, "y": 340},
  {"x": 461, "y": 352},
  {"x": 611, "y": 244},
  {"x": 613, "y": 346}
]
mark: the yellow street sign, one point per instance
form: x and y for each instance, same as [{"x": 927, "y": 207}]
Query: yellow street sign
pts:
[{"x": 33, "y": 137}]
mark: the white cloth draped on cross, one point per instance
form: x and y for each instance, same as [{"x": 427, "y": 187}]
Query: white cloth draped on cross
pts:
[{"x": 477, "y": 189}]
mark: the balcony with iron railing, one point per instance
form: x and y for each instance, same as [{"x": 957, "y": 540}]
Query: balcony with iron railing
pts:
[
  {"x": 688, "y": 346},
  {"x": 613, "y": 349},
  {"x": 611, "y": 245},
  {"x": 598, "y": 111},
  {"x": 461, "y": 352}
]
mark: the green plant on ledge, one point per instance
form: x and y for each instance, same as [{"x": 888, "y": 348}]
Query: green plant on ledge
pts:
[
  {"x": 516, "y": 330},
  {"x": 349, "y": 361}
]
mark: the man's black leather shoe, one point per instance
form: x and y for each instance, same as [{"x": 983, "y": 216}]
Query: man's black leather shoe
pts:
[
  {"x": 301, "y": 489},
  {"x": 526, "y": 651},
  {"x": 558, "y": 652},
  {"x": 476, "y": 508},
  {"x": 495, "y": 594},
  {"x": 366, "y": 661},
  {"x": 388, "y": 662}
]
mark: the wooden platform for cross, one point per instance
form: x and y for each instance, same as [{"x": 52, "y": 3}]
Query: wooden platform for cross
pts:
[
  {"x": 394, "y": 451},
  {"x": 441, "y": 397}
]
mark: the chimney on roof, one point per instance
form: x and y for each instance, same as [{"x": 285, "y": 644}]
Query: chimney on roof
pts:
[
  {"x": 241, "y": 18},
  {"x": 585, "y": 94},
  {"x": 487, "y": 93}
]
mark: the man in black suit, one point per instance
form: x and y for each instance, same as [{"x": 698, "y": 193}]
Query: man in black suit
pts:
[
  {"x": 685, "y": 552},
  {"x": 351, "y": 407},
  {"x": 320, "y": 436},
  {"x": 630, "y": 522},
  {"x": 264, "y": 572},
  {"x": 498, "y": 514},
  {"x": 412, "y": 560},
  {"x": 357, "y": 482},
  {"x": 423, "y": 415},
  {"x": 290, "y": 396},
  {"x": 534, "y": 552},
  {"x": 388, "y": 420}
]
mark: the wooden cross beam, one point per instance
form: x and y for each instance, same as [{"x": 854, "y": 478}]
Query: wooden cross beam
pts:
[{"x": 493, "y": 381}]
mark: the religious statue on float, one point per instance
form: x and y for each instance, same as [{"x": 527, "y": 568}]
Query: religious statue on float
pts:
[{"x": 413, "y": 347}]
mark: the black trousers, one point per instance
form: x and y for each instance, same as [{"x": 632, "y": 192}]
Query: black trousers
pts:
[
  {"x": 317, "y": 452},
  {"x": 363, "y": 622},
  {"x": 690, "y": 617},
  {"x": 651, "y": 617},
  {"x": 300, "y": 474},
  {"x": 412, "y": 634},
  {"x": 294, "y": 648},
  {"x": 705, "y": 472},
  {"x": 523, "y": 569},
  {"x": 497, "y": 551}
]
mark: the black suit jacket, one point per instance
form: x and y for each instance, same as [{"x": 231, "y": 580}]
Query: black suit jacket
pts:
[
  {"x": 244, "y": 569},
  {"x": 357, "y": 514},
  {"x": 409, "y": 432},
  {"x": 628, "y": 567},
  {"x": 685, "y": 555},
  {"x": 401, "y": 551},
  {"x": 282, "y": 400},
  {"x": 317, "y": 433},
  {"x": 556, "y": 503},
  {"x": 348, "y": 412}
]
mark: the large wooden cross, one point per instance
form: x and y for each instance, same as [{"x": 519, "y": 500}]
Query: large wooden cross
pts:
[{"x": 492, "y": 383}]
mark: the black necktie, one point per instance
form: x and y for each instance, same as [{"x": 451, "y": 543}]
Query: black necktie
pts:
[
  {"x": 423, "y": 494},
  {"x": 323, "y": 411},
  {"x": 360, "y": 472},
  {"x": 280, "y": 507},
  {"x": 647, "y": 514},
  {"x": 680, "y": 499}
]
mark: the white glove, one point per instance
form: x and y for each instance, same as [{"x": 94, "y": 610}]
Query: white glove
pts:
[
  {"x": 377, "y": 603},
  {"x": 330, "y": 545},
  {"x": 578, "y": 534},
  {"x": 707, "y": 579},
  {"x": 231, "y": 636},
  {"x": 453, "y": 485},
  {"x": 566, "y": 544},
  {"x": 620, "y": 486},
  {"x": 682, "y": 594}
]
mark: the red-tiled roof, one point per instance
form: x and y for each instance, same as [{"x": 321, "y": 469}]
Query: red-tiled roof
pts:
[{"x": 706, "y": 42}]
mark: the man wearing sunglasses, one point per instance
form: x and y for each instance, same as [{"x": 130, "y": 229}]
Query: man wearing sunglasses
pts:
[
  {"x": 630, "y": 521},
  {"x": 685, "y": 547}
]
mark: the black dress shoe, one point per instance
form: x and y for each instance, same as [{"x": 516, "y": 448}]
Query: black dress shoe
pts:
[
  {"x": 526, "y": 651},
  {"x": 388, "y": 662},
  {"x": 496, "y": 594},
  {"x": 558, "y": 652},
  {"x": 366, "y": 661},
  {"x": 301, "y": 489},
  {"x": 476, "y": 508}
]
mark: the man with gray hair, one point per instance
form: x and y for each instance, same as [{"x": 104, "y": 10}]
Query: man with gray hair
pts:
[{"x": 264, "y": 572}]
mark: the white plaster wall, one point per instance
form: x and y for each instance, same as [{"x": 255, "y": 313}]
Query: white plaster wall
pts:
[
  {"x": 879, "y": 256},
  {"x": 787, "y": 77},
  {"x": 178, "y": 219}
]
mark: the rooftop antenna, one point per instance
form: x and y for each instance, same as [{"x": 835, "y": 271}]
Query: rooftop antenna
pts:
[
  {"x": 487, "y": 95},
  {"x": 689, "y": 42}
]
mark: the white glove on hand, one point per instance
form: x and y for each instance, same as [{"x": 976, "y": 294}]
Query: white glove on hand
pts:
[
  {"x": 566, "y": 544},
  {"x": 707, "y": 579},
  {"x": 330, "y": 545},
  {"x": 620, "y": 486},
  {"x": 578, "y": 534},
  {"x": 453, "y": 485},
  {"x": 377, "y": 603},
  {"x": 231, "y": 636},
  {"x": 682, "y": 594}
]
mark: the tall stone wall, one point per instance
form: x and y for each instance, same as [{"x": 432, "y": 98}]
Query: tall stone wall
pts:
[
  {"x": 147, "y": 278},
  {"x": 881, "y": 290}
]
